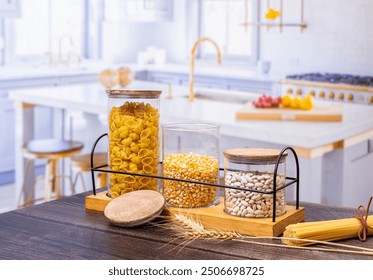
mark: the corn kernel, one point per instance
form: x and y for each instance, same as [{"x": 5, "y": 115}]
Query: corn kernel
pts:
[{"x": 190, "y": 167}]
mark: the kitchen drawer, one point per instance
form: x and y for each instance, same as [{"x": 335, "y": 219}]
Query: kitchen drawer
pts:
[
  {"x": 163, "y": 78},
  {"x": 205, "y": 82},
  {"x": 78, "y": 79},
  {"x": 251, "y": 86}
]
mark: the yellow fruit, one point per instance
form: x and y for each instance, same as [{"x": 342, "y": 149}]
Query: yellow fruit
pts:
[
  {"x": 286, "y": 100},
  {"x": 307, "y": 103},
  {"x": 295, "y": 103}
]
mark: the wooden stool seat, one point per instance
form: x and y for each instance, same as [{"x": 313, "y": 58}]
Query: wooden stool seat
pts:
[
  {"x": 52, "y": 150},
  {"x": 82, "y": 163},
  {"x": 47, "y": 148}
]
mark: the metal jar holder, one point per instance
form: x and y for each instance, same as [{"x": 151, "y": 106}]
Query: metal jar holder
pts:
[{"x": 291, "y": 180}]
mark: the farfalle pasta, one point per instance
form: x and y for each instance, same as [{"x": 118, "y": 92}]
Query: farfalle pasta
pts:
[{"x": 133, "y": 147}]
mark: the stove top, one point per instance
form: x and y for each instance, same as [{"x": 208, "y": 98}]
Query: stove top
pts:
[{"x": 366, "y": 81}]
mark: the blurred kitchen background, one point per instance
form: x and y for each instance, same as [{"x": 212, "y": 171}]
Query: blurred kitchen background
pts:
[{"x": 66, "y": 44}]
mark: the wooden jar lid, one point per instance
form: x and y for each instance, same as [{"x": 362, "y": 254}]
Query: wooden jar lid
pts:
[
  {"x": 253, "y": 155},
  {"x": 135, "y": 208},
  {"x": 133, "y": 93}
]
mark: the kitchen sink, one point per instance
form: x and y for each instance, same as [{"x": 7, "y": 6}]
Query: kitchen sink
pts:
[{"x": 222, "y": 96}]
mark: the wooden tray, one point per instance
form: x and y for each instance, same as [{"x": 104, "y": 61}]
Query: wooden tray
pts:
[
  {"x": 215, "y": 218},
  {"x": 320, "y": 113}
]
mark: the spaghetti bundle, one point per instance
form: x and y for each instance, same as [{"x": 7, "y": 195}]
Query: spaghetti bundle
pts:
[
  {"x": 326, "y": 231},
  {"x": 361, "y": 225}
]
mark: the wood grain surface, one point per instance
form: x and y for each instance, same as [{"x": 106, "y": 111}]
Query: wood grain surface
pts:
[{"x": 64, "y": 229}]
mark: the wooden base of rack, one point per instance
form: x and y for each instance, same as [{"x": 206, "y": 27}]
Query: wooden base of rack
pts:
[
  {"x": 97, "y": 202},
  {"x": 215, "y": 218}
]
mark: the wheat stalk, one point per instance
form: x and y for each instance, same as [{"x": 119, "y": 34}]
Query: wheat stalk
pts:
[{"x": 195, "y": 230}]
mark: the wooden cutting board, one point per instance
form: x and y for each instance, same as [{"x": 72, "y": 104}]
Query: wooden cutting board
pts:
[{"x": 320, "y": 113}]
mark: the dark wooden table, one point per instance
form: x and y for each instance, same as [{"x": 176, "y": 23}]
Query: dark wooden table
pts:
[{"x": 64, "y": 229}]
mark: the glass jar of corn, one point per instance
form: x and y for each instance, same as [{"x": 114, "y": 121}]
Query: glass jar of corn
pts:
[
  {"x": 190, "y": 152},
  {"x": 251, "y": 172},
  {"x": 133, "y": 120}
]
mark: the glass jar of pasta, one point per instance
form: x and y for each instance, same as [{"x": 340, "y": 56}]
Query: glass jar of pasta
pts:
[
  {"x": 190, "y": 152},
  {"x": 251, "y": 172},
  {"x": 133, "y": 119}
]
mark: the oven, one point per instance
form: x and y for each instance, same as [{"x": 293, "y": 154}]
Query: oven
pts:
[{"x": 332, "y": 87}]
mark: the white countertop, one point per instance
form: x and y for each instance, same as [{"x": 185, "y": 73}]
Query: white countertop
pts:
[{"x": 91, "y": 98}]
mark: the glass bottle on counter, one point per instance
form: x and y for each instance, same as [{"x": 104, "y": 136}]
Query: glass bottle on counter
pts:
[
  {"x": 190, "y": 152},
  {"x": 133, "y": 139},
  {"x": 253, "y": 171}
]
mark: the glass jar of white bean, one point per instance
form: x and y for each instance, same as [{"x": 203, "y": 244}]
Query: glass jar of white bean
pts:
[{"x": 251, "y": 173}]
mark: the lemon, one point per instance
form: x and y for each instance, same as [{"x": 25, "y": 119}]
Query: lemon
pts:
[
  {"x": 307, "y": 103},
  {"x": 295, "y": 103},
  {"x": 286, "y": 100}
]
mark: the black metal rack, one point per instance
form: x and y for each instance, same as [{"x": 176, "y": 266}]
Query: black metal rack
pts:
[{"x": 290, "y": 180}]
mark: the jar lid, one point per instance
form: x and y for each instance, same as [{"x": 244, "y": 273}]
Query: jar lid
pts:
[
  {"x": 134, "y": 208},
  {"x": 247, "y": 155},
  {"x": 133, "y": 93}
]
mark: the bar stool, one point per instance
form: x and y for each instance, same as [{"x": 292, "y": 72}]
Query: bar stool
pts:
[
  {"x": 82, "y": 163},
  {"x": 53, "y": 150}
]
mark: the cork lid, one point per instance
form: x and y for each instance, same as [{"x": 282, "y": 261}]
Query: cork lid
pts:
[
  {"x": 135, "y": 208},
  {"x": 249, "y": 155},
  {"x": 133, "y": 93}
]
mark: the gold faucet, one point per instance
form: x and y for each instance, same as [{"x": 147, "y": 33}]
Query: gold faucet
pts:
[{"x": 192, "y": 59}]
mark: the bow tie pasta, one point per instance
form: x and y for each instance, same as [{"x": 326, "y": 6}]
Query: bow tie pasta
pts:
[{"x": 134, "y": 144}]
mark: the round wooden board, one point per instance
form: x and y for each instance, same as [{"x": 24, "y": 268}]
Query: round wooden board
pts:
[{"x": 135, "y": 208}]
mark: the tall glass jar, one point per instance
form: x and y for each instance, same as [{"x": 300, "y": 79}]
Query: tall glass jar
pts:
[
  {"x": 190, "y": 152},
  {"x": 252, "y": 170},
  {"x": 133, "y": 139}
]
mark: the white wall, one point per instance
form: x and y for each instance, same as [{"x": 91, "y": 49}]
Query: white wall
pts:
[
  {"x": 123, "y": 40},
  {"x": 339, "y": 38}
]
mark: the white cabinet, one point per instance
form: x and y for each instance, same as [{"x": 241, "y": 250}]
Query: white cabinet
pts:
[
  {"x": 7, "y": 133},
  {"x": 10, "y": 8},
  {"x": 206, "y": 81}
]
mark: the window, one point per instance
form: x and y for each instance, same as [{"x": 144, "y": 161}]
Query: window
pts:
[
  {"x": 224, "y": 22},
  {"x": 44, "y": 27}
]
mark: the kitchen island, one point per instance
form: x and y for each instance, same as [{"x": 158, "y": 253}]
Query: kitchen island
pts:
[
  {"x": 64, "y": 229},
  {"x": 329, "y": 151}
]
